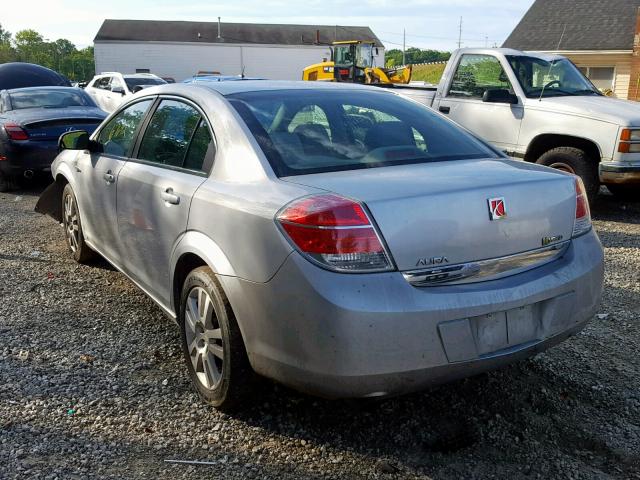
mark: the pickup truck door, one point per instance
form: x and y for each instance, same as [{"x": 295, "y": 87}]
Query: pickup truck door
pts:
[
  {"x": 97, "y": 174},
  {"x": 498, "y": 123}
]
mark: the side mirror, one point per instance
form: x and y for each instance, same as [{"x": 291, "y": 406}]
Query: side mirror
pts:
[
  {"x": 499, "y": 95},
  {"x": 74, "y": 140},
  {"x": 119, "y": 90}
]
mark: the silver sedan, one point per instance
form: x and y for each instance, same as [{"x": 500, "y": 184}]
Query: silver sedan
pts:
[{"x": 339, "y": 239}]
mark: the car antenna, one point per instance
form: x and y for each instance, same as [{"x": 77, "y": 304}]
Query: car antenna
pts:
[{"x": 552, "y": 62}]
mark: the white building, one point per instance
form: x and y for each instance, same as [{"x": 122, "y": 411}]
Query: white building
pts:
[{"x": 182, "y": 49}]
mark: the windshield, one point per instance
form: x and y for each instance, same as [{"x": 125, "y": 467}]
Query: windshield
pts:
[
  {"x": 550, "y": 78},
  {"x": 134, "y": 81},
  {"x": 314, "y": 131},
  {"x": 49, "y": 98}
]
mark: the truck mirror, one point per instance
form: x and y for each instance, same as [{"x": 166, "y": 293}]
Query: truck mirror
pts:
[{"x": 499, "y": 95}]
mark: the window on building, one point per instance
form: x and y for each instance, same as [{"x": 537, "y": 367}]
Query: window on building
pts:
[{"x": 602, "y": 77}]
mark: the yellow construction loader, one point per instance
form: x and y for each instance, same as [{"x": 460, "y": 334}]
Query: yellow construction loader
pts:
[{"x": 352, "y": 61}]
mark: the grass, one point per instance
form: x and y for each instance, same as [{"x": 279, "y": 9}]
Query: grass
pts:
[{"x": 429, "y": 73}]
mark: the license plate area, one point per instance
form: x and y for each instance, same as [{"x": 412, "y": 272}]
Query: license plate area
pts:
[{"x": 485, "y": 335}]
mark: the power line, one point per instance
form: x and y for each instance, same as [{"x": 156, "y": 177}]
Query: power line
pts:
[{"x": 467, "y": 39}]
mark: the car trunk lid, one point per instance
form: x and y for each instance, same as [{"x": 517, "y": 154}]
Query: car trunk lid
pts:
[{"x": 439, "y": 213}]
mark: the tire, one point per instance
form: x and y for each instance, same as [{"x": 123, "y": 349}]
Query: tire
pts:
[
  {"x": 212, "y": 343},
  {"x": 4, "y": 184},
  {"x": 630, "y": 193},
  {"x": 73, "y": 235},
  {"x": 576, "y": 161}
]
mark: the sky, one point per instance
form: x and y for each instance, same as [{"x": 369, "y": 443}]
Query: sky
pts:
[{"x": 430, "y": 24}]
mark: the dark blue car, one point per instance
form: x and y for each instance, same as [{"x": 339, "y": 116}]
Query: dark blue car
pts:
[{"x": 31, "y": 121}]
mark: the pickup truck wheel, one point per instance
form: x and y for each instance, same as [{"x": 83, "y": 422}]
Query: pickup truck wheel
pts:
[
  {"x": 212, "y": 344},
  {"x": 576, "y": 161},
  {"x": 630, "y": 193},
  {"x": 74, "y": 237}
]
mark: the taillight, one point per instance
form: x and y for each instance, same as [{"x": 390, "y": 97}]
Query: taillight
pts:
[
  {"x": 15, "y": 132},
  {"x": 334, "y": 232},
  {"x": 582, "y": 223}
]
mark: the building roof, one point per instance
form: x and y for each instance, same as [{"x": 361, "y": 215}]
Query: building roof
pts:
[
  {"x": 207, "y": 32},
  {"x": 590, "y": 25}
]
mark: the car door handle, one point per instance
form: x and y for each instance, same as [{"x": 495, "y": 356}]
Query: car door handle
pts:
[
  {"x": 445, "y": 110},
  {"x": 170, "y": 197},
  {"x": 109, "y": 177}
]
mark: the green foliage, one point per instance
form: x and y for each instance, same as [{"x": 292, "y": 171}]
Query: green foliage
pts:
[
  {"x": 415, "y": 55},
  {"x": 60, "y": 55},
  {"x": 428, "y": 73}
]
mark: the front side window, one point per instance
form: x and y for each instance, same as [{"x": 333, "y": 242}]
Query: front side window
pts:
[
  {"x": 169, "y": 133},
  {"x": 118, "y": 135},
  {"x": 323, "y": 130},
  {"x": 549, "y": 78},
  {"x": 115, "y": 83},
  {"x": 476, "y": 74}
]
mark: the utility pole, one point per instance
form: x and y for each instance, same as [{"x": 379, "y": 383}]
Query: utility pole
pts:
[
  {"x": 404, "y": 46},
  {"x": 486, "y": 41},
  {"x": 460, "y": 33}
]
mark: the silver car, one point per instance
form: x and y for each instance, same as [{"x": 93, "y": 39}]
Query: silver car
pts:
[{"x": 339, "y": 239}]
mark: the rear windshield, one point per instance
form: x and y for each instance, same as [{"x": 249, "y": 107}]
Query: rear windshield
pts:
[
  {"x": 134, "y": 81},
  {"x": 314, "y": 131},
  {"x": 50, "y": 98}
]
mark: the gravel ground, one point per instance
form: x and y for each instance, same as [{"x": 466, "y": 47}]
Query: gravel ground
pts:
[{"x": 92, "y": 385}]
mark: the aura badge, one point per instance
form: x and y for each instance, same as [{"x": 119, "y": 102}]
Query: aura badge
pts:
[{"x": 497, "y": 208}]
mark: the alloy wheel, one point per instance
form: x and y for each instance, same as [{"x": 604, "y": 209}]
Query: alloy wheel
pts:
[
  {"x": 71, "y": 223},
  {"x": 204, "y": 338}
]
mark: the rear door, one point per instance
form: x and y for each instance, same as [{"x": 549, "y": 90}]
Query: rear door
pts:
[
  {"x": 498, "y": 123},
  {"x": 97, "y": 175},
  {"x": 155, "y": 190}
]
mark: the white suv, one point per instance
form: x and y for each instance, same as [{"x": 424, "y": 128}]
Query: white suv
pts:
[{"x": 109, "y": 89}]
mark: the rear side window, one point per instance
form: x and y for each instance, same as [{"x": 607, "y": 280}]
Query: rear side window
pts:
[
  {"x": 325, "y": 130},
  {"x": 201, "y": 148},
  {"x": 118, "y": 135},
  {"x": 102, "y": 83},
  {"x": 168, "y": 138}
]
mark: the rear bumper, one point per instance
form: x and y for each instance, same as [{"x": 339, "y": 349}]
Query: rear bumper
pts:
[
  {"x": 620, "y": 173},
  {"x": 21, "y": 156},
  {"x": 339, "y": 335}
]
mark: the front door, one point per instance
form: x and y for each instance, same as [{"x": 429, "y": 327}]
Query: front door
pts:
[
  {"x": 98, "y": 175},
  {"x": 498, "y": 123},
  {"x": 156, "y": 188}
]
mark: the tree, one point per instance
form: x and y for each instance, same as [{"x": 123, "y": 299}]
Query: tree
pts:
[
  {"x": 60, "y": 55},
  {"x": 6, "y": 50},
  {"x": 29, "y": 47},
  {"x": 416, "y": 55}
]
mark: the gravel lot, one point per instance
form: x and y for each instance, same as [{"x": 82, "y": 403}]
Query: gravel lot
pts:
[{"x": 92, "y": 385}]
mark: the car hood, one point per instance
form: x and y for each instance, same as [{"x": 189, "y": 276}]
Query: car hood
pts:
[
  {"x": 32, "y": 115},
  {"x": 613, "y": 110}
]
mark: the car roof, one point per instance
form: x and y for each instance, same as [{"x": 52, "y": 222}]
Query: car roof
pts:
[{"x": 229, "y": 88}]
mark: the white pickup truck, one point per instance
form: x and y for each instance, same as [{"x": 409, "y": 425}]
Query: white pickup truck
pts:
[{"x": 541, "y": 108}]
